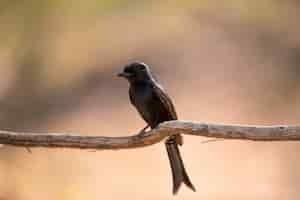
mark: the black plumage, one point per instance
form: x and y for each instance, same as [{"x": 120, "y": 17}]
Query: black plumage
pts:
[{"x": 155, "y": 106}]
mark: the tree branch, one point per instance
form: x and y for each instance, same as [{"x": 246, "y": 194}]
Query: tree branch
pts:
[{"x": 256, "y": 133}]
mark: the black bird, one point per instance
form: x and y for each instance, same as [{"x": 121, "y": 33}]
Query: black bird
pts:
[{"x": 155, "y": 106}]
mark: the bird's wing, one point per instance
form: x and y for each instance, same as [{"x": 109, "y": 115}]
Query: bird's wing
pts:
[
  {"x": 167, "y": 108},
  {"x": 165, "y": 101}
]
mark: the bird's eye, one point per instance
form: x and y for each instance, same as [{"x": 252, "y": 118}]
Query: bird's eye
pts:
[
  {"x": 128, "y": 70},
  {"x": 141, "y": 68}
]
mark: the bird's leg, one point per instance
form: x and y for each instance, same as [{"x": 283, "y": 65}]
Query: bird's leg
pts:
[{"x": 143, "y": 131}]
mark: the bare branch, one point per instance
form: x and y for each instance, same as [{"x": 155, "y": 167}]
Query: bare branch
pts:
[{"x": 256, "y": 133}]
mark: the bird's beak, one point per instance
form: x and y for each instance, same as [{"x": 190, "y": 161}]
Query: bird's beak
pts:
[{"x": 124, "y": 74}]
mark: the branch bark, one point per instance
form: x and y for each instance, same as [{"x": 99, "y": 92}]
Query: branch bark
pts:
[{"x": 255, "y": 133}]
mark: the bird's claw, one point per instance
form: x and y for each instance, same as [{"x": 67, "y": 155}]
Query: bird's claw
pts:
[{"x": 143, "y": 131}]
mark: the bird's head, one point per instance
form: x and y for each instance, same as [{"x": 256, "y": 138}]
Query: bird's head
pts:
[{"x": 136, "y": 72}]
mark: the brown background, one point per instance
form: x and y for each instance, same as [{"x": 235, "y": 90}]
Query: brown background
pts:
[{"x": 221, "y": 61}]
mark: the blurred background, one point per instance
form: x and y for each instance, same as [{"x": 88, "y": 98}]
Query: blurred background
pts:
[{"x": 232, "y": 61}]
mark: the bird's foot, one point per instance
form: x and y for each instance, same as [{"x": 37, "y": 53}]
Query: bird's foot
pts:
[{"x": 143, "y": 131}]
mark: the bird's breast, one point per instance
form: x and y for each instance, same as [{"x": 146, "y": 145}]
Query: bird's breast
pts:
[{"x": 141, "y": 96}]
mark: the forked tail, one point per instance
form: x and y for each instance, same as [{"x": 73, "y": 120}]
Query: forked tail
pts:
[{"x": 179, "y": 173}]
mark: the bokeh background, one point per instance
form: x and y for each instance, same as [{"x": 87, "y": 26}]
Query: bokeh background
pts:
[{"x": 231, "y": 61}]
